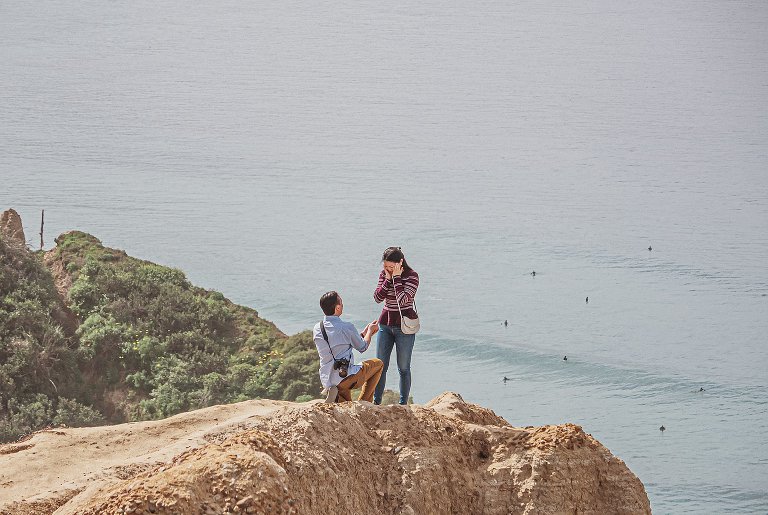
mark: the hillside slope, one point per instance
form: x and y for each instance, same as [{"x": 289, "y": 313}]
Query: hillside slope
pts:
[{"x": 90, "y": 335}]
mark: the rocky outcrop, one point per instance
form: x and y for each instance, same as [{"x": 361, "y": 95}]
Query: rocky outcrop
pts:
[
  {"x": 11, "y": 228},
  {"x": 447, "y": 456},
  {"x": 62, "y": 279}
]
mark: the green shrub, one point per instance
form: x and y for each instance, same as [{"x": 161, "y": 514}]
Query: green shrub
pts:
[
  {"x": 149, "y": 344},
  {"x": 38, "y": 358},
  {"x": 71, "y": 413}
]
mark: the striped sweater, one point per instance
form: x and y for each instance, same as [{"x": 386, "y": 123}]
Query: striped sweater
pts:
[{"x": 405, "y": 287}]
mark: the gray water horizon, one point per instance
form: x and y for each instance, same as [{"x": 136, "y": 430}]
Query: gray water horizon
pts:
[{"x": 273, "y": 151}]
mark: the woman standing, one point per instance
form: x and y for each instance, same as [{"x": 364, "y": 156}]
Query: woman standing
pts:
[{"x": 398, "y": 283}]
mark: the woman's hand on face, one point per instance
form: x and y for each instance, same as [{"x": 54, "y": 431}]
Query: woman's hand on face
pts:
[
  {"x": 397, "y": 269},
  {"x": 387, "y": 273}
]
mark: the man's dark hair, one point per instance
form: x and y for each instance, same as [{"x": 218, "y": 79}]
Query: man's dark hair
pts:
[{"x": 328, "y": 302}]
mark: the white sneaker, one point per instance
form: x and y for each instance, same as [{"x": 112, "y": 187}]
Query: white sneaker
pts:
[{"x": 330, "y": 394}]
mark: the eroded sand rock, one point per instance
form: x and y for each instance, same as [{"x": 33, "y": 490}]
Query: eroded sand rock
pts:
[
  {"x": 11, "y": 228},
  {"x": 243, "y": 474},
  {"x": 61, "y": 278},
  {"x": 448, "y": 456}
]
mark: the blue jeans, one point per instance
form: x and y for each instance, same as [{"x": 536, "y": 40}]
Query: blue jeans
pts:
[{"x": 390, "y": 336}]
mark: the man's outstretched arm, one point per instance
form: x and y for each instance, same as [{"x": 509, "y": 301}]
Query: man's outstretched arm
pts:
[{"x": 361, "y": 341}]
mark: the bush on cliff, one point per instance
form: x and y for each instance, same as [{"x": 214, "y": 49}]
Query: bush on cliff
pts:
[
  {"x": 172, "y": 346},
  {"x": 147, "y": 344},
  {"x": 38, "y": 359}
]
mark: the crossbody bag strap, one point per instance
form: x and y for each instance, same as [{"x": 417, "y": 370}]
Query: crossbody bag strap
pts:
[
  {"x": 325, "y": 337},
  {"x": 396, "y": 299}
]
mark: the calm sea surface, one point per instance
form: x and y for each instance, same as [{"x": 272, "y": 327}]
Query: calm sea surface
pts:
[{"x": 272, "y": 150}]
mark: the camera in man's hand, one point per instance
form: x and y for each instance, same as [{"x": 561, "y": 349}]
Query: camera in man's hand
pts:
[{"x": 341, "y": 365}]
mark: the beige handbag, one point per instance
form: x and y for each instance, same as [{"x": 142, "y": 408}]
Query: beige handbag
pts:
[{"x": 407, "y": 325}]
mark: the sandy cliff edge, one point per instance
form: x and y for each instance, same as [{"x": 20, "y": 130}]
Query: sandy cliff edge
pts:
[{"x": 446, "y": 456}]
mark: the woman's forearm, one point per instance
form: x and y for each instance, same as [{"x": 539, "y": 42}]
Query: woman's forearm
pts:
[{"x": 381, "y": 291}]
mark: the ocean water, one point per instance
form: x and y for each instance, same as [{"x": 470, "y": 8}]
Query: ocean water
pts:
[{"x": 273, "y": 150}]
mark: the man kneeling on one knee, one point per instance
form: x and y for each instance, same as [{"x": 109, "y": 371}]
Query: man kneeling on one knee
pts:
[{"x": 335, "y": 340}]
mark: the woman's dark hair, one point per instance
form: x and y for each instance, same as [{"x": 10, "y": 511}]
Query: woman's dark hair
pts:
[
  {"x": 394, "y": 255},
  {"x": 328, "y": 302}
]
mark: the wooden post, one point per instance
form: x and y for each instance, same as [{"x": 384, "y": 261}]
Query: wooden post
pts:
[{"x": 42, "y": 223}]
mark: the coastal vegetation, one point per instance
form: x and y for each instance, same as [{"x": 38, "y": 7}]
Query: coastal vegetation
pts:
[{"x": 90, "y": 335}]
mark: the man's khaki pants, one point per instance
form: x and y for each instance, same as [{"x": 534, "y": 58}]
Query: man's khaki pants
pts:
[{"x": 366, "y": 379}]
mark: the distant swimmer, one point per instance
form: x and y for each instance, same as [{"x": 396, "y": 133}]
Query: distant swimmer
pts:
[
  {"x": 565, "y": 358},
  {"x": 587, "y": 300},
  {"x": 650, "y": 248},
  {"x": 506, "y": 379},
  {"x": 533, "y": 273},
  {"x": 702, "y": 390},
  {"x": 506, "y": 323},
  {"x": 662, "y": 429}
]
